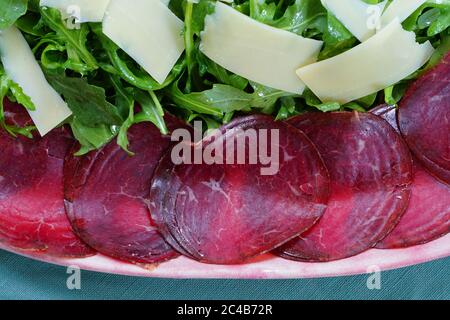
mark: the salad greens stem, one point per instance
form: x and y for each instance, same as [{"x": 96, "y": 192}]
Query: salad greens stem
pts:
[
  {"x": 160, "y": 114},
  {"x": 157, "y": 103},
  {"x": 189, "y": 40},
  {"x": 253, "y": 4}
]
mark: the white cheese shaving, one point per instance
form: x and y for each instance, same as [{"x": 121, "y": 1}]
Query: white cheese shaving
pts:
[
  {"x": 383, "y": 60},
  {"x": 82, "y": 10},
  {"x": 360, "y": 18},
  {"x": 257, "y": 51},
  {"x": 148, "y": 32},
  {"x": 21, "y": 66}
]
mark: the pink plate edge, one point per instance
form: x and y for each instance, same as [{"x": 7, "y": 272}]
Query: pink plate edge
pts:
[{"x": 266, "y": 267}]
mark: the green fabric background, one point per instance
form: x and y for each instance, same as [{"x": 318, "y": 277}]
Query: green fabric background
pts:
[{"x": 21, "y": 278}]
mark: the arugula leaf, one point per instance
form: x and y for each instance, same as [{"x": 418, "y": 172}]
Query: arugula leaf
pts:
[
  {"x": 195, "y": 102},
  {"x": 210, "y": 124},
  {"x": 73, "y": 39},
  {"x": 122, "y": 137},
  {"x": 56, "y": 56},
  {"x": 429, "y": 13},
  {"x": 313, "y": 101},
  {"x": 123, "y": 97},
  {"x": 300, "y": 16},
  {"x": 20, "y": 97},
  {"x": 91, "y": 138},
  {"x": 31, "y": 24},
  {"x": 199, "y": 12},
  {"x": 4, "y": 88},
  {"x": 393, "y": 94},
  {"x": 7, "y": 86},
  {"x": 336, "y": 37},
  {"x": 87, "y": 102},
  {"x": 10, "y": 11},
  {"x": 439, "y": 22},
  {"x": 194, "y": 23},
  {"x": 265, "y": 98},
  {"x": 287, "y": 109},
  {"x": 223, "y": 76},
  {"x": 152, "y": 110},
  {"x": 223, "y": 99},
  {"x": 442, "y": 49},
  {"x": 262, "y": 11},
  {"x": 297, "y": 17}
]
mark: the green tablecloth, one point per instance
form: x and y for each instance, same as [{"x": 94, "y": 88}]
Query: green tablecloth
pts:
[{"x": 21, "y": 278}]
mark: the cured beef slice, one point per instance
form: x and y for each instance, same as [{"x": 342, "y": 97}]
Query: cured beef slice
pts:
[
  {"x": 428, "y": 215},
  {"x": 32, "y": 215},
  {"x": 227, "y": 213},
  {"x": 106, "y": 197},
  {"x": 424, "y": 120},
  {"x": 370, "y": 169}
]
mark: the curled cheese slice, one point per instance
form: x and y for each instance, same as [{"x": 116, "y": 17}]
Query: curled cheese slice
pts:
[
  {"x": 256, "y": 51},
  {"x": 360, "y": 18},
  {"x": 83, "y": 10},
  {"x": 21, "y": 66},
  {"x": 148, "y": 32},
  {"x": 383, "y": 60}
]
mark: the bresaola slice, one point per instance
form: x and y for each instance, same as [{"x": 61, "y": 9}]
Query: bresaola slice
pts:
[
  {"x": 370, "y": 169},
  {"x": 32, "y": 215},
  {"x": 428, "y": 215},
  {"x": 106, "y": 197},
  {"x": 227, "y": 213},
  {"x": 424, "y": 119}
]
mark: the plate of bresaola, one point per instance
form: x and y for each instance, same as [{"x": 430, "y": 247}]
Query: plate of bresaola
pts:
[{"x": 320, "y": 194}]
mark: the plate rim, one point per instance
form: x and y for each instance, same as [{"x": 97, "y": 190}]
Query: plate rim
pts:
[{"x": 265, "y": 267}]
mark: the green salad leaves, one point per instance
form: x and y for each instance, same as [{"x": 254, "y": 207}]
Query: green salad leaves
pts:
[
  {"x": 108, "y": 92},
  {"x": 10, "y": 11}
]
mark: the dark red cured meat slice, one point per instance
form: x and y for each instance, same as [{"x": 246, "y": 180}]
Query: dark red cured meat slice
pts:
[
  {"x": 76, "y": 171},
  {"x": 15, "y": 114},
  {"x": 32, "y": 213},
  {"x": 428, "y": 215},
  {"x": 424, "y": 120},
  {"x": 388, "y": 113},
  {"x": 370, "y": 169},
  {"x": 105, "y": 197},
  {"x": 228, "y": 213}
]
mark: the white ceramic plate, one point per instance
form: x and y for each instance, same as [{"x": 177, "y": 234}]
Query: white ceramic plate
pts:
[{"x": 265, "y": 267}]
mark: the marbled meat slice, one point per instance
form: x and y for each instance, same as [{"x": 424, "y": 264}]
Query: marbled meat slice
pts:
[
  {"x": 225, "y": 213},
  {"x": 106, "y": 196},
  {"x": 428, "y": 215},
  {"x": 370, "y": 169},
  {"x": 424, "y": 120},
  {"x": 32, "y": 215}
]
